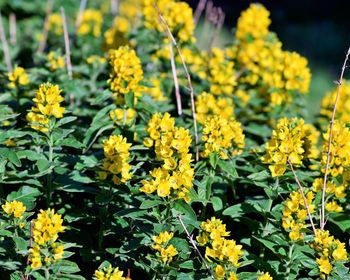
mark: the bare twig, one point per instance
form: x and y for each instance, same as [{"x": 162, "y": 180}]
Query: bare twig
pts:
[
  {"x": 199, "y": 10},
  {"x": 26, "y": 277},
  {"x": 114, "y": 7},
  {"x": 82, "y": 7},
  {"x": 219, "y": 22},
  {"x": 43, "y": 40},
  {"x": 5, "y": 47},
  {"x": 66, "y": 44},
  {"x": 187, "y": 76},
  {"x": 13, "y": 29},
  {"x": 176, "y": 82},
  {"x": 190, "y": 238},
  {"x": 322, "y": 218},
  {"x": 304, "y": 198}
]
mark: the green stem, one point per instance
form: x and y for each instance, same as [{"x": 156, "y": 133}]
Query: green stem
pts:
[
  {"x": 290, "y": 253},
  {"x": 49, "y": 176}
]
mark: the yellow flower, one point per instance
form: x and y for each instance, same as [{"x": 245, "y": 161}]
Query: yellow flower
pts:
[
  {"x": 222, "y": 136},
  {"x": 126, "y": 71},
  {"x": 116, "y": 151},
  {"x": 324, "y": 265},
  {"x": 333, "y": 206},
  {"x": 161, "y": 245},
  {"x": 15, "y": 208},
  {"x": 55, "y": 24},
  {"x": 219, "y": 272},
  {"x": 95, "y": 59},
  {"x": 109, "y": 273},
  {"x": 47, "y": 98},
  {"x": 55, "y": 61},
  {"x": 35, "y": 257},
  {"x": 123, "y": 116},
  {"x": 91, "y": 23},
  {"x": 178, "y": 16},
  {"x": 265, "y": 276},
  {"x": 18, "y": 77}
]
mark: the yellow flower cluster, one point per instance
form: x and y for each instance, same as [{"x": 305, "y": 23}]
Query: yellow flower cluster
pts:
[
  {"x": 329, "y": 250},
  {"x": 126, "y": 71},
  {"x": 208, "y": 105},
  {"x": 178, "y": 15},
  {"x": 174, "y": 178},
  {"x": 220, "y": 273},
  {"x": 333, "y": 190},
  {"x": 15, "y": 208},
  {"x": 295, "y": 214},
  {"x": 18, "y": 77},
  {"x": 95, "y": 59},
  {"x": 221, "y": 76},
  {"x": 123, "y": 116},
  {"x": 55, "y": 61},
  {"x": 116, "y": 151},
  {"x": 292, "y": 140},
  {"x": 342, "y": 113},
  {"x": 109, "y": 273},
  {"x": 222, "y": 136},
  {"x": 47, "y": 98},
  {"x": 155, "y": 91},
  {"x": 213, "y": 236},
  {"x": 259, "y": 52},
  {"x": 340, "y": 149},
  {"x": 46, "y": 228},
  {"x": 91, "y": 23},
  {"x": 167, "y": 252},
  {"x": 265, "y": 276},
  {"x": 55, "y": 24}
]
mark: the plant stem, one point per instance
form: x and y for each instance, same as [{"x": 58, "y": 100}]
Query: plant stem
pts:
[{"x": 49, "y": 176}]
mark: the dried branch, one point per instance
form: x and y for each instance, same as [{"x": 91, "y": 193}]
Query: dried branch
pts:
[
  {"x": 42, "y": 44},
  {"x": 66, "y": 44},
  {"x": 176, "y": 82},
  {"x": 304, "y": 198},
  {"x": 219, "y": 22},
  {"x": 193, "y": 108},
  {"x": 199, "y": 10},
  {"x": 5, "y": 47},
  {"x": 114, "y": 7},
  {"x": 82, "y": 7},
  {"x": 340, "y": 81},
  {"x": 13, "y": 29},
  {"x": 190, "y": 238}
]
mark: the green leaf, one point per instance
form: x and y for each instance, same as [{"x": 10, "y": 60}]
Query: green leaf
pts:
[
  {"x": 21, "y": 244},
  {"x": 341, "y": 220},
  {"x": 184, "y": 208},
  {"x": 10, "y": 156},
  {"x": 146, "y": 204},
  {"x": 65, "y": 120},
  {"x": 229, "y": 167},
  {"x": 26, "y": 195}
]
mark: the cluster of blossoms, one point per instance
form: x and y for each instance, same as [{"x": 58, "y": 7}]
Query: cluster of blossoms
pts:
[
  {"x": 343, "y": 105},
  {"x": 126, "y": 71},
  {"x": 95, "y": 59},
  {"x": 295, "y": 214},
  {"x": 55, "y": 24},
  {"x": 14, "y": 208},
  {"x": 55, "y": 61},
  {"x": 332, "y": 190},
  {"x": 292, "y": 140},
  {"x": 109, "y": 273},
  {"x": 91, "y": 23},
  {"x": 224, "y": 251},
  {"x": 221, "y": 75},
  {"x": 174, "y": 178},
  {"x": 222, "y": 136},
  {"x": 207, "y": 105},
  {"x": 178, "y": 15},
  {"x": 116, "y": 161},
  {"x": 18, "y": 77},
  {"x": 47, "y": 98},
  {"x": 340, "y": 149},
  {"x": 329, "y": 250},
  {"x": 46, "y": 228},
  {"x": 161, "y": 244},
  {"x": 259, "y": 52},
  {"x": 128, "y": 16},
  {"x": 155, "y": 90},
  {"x": 123, "y": 116}
]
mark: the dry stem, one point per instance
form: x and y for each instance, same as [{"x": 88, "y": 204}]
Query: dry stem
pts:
[
  {"x": 13, "y": 29},
  {"x": 304, "y": 198},
  {"x": 187, "y": 75},
  {"x": 190, "y": 238},
  {"x": 199, "y": 10},
  {"x": 218, "y": 22},
  {"x": 176, "y": 82},
  {"x": 114, "y": 6},
  {"x": 5, "y": 47},
  {"x": 66, "y": 44},
  {"x": 42, "y": 44},
  {"x": 80, "y": 14},
  {"x": 322, "y": 218}
]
